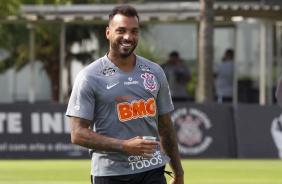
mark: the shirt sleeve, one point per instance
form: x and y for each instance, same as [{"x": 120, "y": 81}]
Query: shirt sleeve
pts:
[
  {"x": 82, "y": 99},
  {"x": 164, "y": 101}
]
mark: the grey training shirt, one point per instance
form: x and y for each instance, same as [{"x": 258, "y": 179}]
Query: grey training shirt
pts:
[{"x": 121, "y": 105}]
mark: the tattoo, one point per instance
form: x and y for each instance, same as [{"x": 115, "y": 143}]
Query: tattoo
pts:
[
  {"x": 169, "y": 143},
  {"x": 83, "y": 136}
]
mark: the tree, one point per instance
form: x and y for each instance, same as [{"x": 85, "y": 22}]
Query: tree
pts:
[
  {"x": 48, "y": 51},
  {"x": 8, "y": 40},
  {"x": 14, "y": 39},
  {"x": 205, "y": 52}
]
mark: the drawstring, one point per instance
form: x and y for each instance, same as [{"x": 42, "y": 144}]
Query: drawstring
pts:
[{"x": 168, "y": 173}]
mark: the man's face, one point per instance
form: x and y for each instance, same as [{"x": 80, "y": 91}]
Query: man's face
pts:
[{"x": 123, "y": 34}]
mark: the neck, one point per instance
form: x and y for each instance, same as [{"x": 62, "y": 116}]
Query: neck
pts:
[{"x": 124, "y": 63}]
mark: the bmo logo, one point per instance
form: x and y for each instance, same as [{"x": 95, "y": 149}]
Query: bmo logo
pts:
[{"x": 136, "y": 109}]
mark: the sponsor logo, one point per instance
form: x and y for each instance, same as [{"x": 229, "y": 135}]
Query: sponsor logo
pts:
[
  {"x": 149, "y": 81},
  {"x": 78, "y": 95},
  {"x": 136, "y": 109},
  {"x": 111, "y": 86},
  {"x": 189, "y": 126},
  {"x": 138, "y": 162},
  {"x": 130, "y": 82},
  {"x": 108, "y": 72},
  {"x": 144, "y": 68}
]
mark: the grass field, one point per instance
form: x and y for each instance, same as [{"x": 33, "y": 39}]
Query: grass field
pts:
[{"x": 209, "y": 171}]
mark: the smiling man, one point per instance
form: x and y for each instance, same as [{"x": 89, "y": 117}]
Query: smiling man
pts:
[{"x": 118, "y": 99}]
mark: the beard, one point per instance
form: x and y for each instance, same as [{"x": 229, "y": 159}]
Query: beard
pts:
[{"x": 123, "y": 52}]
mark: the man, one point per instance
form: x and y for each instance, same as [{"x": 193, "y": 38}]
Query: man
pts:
[
  {"x": 118, "y": 99},
  {"x": 224, "y": 78},
  {"x": 178, "y": 76}
]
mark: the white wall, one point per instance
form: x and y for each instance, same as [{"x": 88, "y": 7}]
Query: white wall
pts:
[
  {"x": 248, "y": 48},
  {"x": 174, "y": 36},
  {"x": 6, "y": 86},
  {"x": 15, "y": 85}
]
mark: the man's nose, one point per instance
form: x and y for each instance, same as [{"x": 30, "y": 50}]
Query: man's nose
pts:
[{"x": 127, "y": 36}]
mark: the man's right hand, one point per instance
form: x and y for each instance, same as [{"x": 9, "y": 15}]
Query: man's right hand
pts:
[{"x": 139, "y": 146}]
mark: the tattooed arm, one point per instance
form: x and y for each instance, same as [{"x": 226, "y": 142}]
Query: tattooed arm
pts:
[
  {"x": 170, "y": 147},
  {"x": 83, "y": 136}
]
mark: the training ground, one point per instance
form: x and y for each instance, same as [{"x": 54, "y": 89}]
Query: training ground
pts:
[{"x": 197, "y": 171}]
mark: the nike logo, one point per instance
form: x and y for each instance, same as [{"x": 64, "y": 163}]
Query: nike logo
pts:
[{"x": 110, "y": 86}]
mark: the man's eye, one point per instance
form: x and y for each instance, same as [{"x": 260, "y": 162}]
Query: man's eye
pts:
[
  {"x": 135, "y": 31},
  {"x": 120, "y": 31}
]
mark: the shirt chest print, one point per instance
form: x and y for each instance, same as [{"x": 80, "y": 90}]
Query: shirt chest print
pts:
[{"x": 149, "y": 81}]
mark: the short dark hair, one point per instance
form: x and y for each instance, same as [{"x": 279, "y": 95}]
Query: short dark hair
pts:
[
  {"x": 126, "y": 10},
  {"x": 174, "y": 54},
  {"x": 229, "y": 52}
]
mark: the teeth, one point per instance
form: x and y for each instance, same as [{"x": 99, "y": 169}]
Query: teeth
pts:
[{"x": 126, "y": 44}]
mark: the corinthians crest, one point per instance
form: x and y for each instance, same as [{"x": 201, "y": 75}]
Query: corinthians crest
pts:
[
  {"x": 108, "y": 71},
  {"x": 191, "y": 126},
  {"x": 149, "y": 81},
  {"x": 189, "y": 132}
]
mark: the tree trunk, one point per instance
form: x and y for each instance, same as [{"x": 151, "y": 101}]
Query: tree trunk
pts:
[
  {"x": 55, "y": 84},
  {"x": 53, "y": 72},
  {"x": 205, "y": 52},
  {"x": 69, "y": 83}
]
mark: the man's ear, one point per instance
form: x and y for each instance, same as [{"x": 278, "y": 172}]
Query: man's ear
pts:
[{"x": 107, "y": 32}]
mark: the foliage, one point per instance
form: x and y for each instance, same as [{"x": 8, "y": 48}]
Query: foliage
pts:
[
  {"x": 8, "y": 40},
  {"x": 149, "y": 51},
  {"x": 67, "y": 2},
  {"x": 192, "y": 83},
  {"x": 14, "y": 40},
  {"x": 105, "y": 1},
  {"x": 10, "y": 7}
]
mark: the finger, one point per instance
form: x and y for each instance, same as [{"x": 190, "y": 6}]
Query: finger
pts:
[
  {"x": 146, "y": 155},
  {"x": 151, "y": 142},
  {"x": 149, "y": 150},
  {"x": 138, "y": 137}
]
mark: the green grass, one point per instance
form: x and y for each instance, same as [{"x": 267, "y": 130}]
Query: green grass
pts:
[{"x": 210, "y": 171}]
